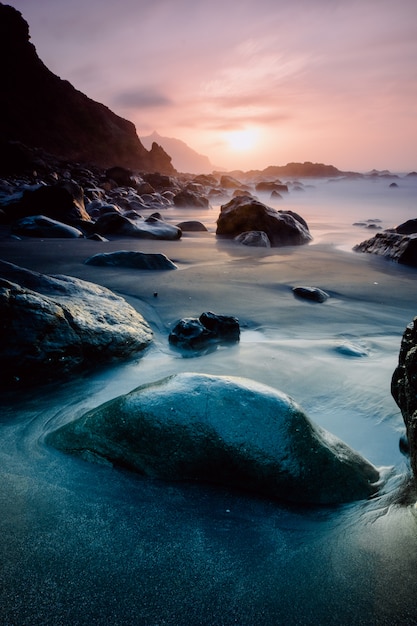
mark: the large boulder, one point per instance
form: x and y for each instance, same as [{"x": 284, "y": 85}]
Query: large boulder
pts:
[
  {"x": 42, "y": 226},
  {"x": 245, "y": 213},
  {"x": 54, "y": 325},
  {"x": 394, "y": 246},
  {"x": 221, "y": 430},
  {"x": 150, "y": 228},
  {"x": 404, "y": 388}
]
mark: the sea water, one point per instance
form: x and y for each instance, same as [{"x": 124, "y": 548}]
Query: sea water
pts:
[{"x": 82, "y": 543}]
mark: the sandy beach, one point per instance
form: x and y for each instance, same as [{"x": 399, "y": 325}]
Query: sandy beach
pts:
[{"x": 87, "y": 541}]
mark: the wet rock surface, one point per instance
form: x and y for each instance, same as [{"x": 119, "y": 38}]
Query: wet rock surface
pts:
[
  {"x": 52, "y": 326},
  {"x": 209, "y": 329},
  {"x": 131, "y": 259},
  {"x": 222, "y": 430}
]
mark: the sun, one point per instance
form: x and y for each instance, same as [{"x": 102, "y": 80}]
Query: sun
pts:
[{"x": 242, "y": 140}]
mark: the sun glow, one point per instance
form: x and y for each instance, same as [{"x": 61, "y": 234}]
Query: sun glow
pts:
[{"x": 242, "y": 140}]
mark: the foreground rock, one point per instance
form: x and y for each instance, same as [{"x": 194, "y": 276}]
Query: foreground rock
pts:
[
  {"x": 245, "y": 213},
  {"x": 150, "y": 228},
  {"x": 392, "y": 245},
  {"x": 135, "y": 260},
  {"x": 404, "y": 388},
  {"x": 54, "y": 325},
  {"x": 191, "y": 333},
  {"x": 42, "y": 226},
  {"x": 222, "y": 430}
]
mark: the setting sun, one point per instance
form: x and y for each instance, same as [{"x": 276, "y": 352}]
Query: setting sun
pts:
[{"x": 242, "y": 140}]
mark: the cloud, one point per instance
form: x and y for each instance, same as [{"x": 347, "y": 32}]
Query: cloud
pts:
[{"x": 142, "y": 99}]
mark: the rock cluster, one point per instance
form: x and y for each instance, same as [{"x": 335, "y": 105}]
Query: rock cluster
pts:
[
  {"x": 398, "y": 244},
  {"x": 245, "y": 213},
  {"x": 221, "y": 430},
  {"x": 192, "y": 333}
]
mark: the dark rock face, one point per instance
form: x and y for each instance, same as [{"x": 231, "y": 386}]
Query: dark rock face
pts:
[
  {"x": 40, "y": 110},
  {"x": 197, "y": 334},
  {"x": 221, "y": 430},
  {"x": 41, "y": 226},
  {"x": 404, "y": 388},
  {"x": 186, "y": 199},
  {"x": 54, "y": 325},
  {"x": 310, "y": 293},
  {"x": 393, "y": 246},
  {"x": 63, "y": 202},
  {"x": 242, "y": 214},
  {"x": 407, "y": 228},
  {"x": 135, "y": 260}
]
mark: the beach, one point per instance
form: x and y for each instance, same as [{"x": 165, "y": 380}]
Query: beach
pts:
[{"x": 83, "y": 543}]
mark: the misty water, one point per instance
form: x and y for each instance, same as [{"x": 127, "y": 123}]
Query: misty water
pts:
[{"x": 84, "y": 543}]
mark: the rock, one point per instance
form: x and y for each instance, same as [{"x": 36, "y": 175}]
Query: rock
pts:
[
  {"x": 393, "y": 246},
  {"x": 350, "y": 349},
  {"x": 242, "y": 214},
  {"x": 221, "y": 430},
  {"x": 228, "y": 182},
  {"x": 192, "y": 226},
  {"x": 121, "y": 176},
  {"x": 271, "y": 186},
  {"x": 41, "y": 226},
  {"x": 189, "y": 199},
  {"x": 63, "y": 201},
  {"x": 113, "y": 223},
  {"x": 55, "y": 325},
  {"x": 256, "y": 238},
  {"x": 197, "y": 334},
  {"x": 311, "y": 293},
  {"x": 407, "y": 228},
  {"x": 129, "y": 258},
  {"x": 43, "y": 111},
  {"x": 404, "y": 388},
  {"x": 275, "y": 195}
]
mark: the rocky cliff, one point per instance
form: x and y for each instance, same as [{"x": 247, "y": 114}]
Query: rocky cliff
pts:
[{"x": 40, "y": 110}]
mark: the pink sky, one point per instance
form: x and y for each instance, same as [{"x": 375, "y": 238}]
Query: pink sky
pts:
[{"x": 249, "y": 83}]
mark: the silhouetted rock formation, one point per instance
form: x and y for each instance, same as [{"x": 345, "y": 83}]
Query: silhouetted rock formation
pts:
[{"x": 40, "y": 110}]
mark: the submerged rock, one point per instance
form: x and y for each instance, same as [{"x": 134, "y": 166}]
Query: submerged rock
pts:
[
  {"x": 191, "y": 333},
  {"x": 222, "y": 430},
  {"x": 113, "y": 223},
  {"x": 310, "y": 293},
  {"x": 245, "y": 213},
  {"x": 54, "y": 325},
  {"x": 404, "y": 388},
  {"x": 130, "y": 258}
]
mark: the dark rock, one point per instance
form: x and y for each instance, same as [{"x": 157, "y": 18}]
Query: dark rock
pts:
[
  {"x": 393, "y": 246},
  {"x": 221, "y": 430},
  {"x": 159, "y": 181},
  {"x": 275, "y": 195},
  {"x": 196, "y": 334},
  {"x": 52, "y": 326},
  {"x": 129, "y": 258},
  {"x": 228, "y": 182},
  {"x": 121, "y": 176},
  {"x": 113, "y": 223},
  {"x": 350, "y": 349},
  {"x": 63, "y": 201},
  {"x": 192, "y": 226},
  {"x": 255, "y": 238},
  {"x": 41, "y": 226},
  {"x": 188, "y": 199},
  {"x": 271, "y": 186},
  {"x": 40, "y": 110},
  {"x": 407, "y": 228},
  {"x": 404, "y": 388},
  {"x": 393, "y": 185},
  {"x": 245, "y": 213},
  {"x": 311, "y": 293}
]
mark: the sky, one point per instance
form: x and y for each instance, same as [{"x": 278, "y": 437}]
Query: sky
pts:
[{"x": 248, "y": 83}]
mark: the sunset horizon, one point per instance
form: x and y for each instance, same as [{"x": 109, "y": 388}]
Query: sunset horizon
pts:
[{"x": 269, "y": 84}]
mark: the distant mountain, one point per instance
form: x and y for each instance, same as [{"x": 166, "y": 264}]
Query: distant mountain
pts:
[
  {"x": 293, "y": 170},
  {"x": 184, "y": 158},
  {"x": 42, "y": 111}
]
